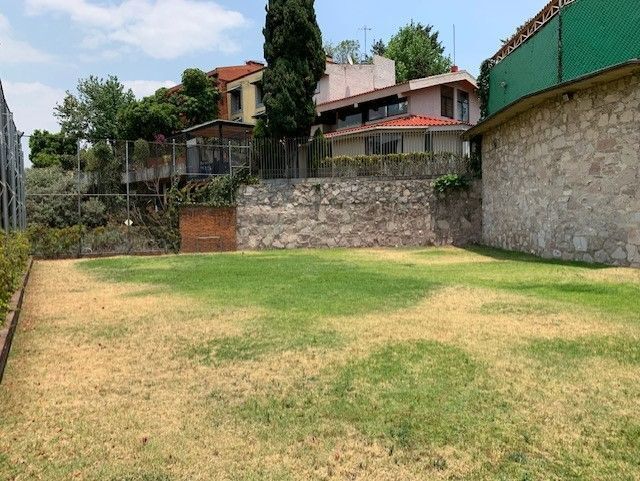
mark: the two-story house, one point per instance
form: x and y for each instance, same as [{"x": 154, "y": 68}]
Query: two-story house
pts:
[{"x": 427, "y": 114}]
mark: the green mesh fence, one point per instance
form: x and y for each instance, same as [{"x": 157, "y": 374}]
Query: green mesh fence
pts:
[
  {"x": 530, "y": 68},
  {"x": 587, "y": 36},
  {"x": 597, "y": 34}
]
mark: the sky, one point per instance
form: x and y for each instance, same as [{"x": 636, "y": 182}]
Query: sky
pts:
[{"x": 47, "y": 45}]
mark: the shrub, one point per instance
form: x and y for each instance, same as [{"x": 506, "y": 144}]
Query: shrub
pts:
[
  {"x": 14, "y": 251},
  {"x": 451, "y": 183},
  {"x": 53, "y": 243}
]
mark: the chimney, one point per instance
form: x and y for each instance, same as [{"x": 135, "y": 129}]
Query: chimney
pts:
[{"x": 455, "y": 69}]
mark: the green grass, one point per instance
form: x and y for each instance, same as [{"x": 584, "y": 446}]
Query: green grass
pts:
[{"x": 335, "y": 364}]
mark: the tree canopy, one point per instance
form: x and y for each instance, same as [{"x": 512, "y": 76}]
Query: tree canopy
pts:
[
  {"x": 342, "y": 51},
  {"x": 167, "y": 112},
  {"x": 92, "y": 113},
  {"x": 49, "y": 149},
  {"x": 417, "y": 52},
  {"x": 295, "y": 63}
]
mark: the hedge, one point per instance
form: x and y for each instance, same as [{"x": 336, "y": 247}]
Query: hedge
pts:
[{"x": 14, "y": 252}]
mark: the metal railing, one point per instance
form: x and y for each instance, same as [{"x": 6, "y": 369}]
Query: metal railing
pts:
[{"x": 12, "y": 182}]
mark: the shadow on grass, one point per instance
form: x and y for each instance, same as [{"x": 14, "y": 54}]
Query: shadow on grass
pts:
[{"x": 505, "y": 255}]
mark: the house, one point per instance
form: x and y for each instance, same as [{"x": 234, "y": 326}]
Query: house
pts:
[
  {"x": 427, "y": 114},
  {"x": 559, "y": 144},
  {"x": 223, "y": 76},
  {"x": 244, "y": 94}
]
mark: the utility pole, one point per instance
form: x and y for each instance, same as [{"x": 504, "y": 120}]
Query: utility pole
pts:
[{"x": 366, "y": 29}]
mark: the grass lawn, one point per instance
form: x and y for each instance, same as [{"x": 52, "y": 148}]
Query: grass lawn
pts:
[{"x": 386, "y": 364}]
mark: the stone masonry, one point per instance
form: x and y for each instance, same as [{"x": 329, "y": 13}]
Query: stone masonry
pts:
[
  {"x": 355, "y": 213},
  {"x": 562, "y": 180}
]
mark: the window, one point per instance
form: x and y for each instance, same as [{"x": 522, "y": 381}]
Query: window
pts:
[
  {"x": 447, "y": 101},
  {"x": 259, "y": 102},
  {"x": 463, "y": 106},
  {"x": 349, "y": 119},
  {"x": 377, "y": 113},
  {"x": 382, "y": 144},
  {"x": 398, "y": 108},
  {"x": 236, "y": 101}
]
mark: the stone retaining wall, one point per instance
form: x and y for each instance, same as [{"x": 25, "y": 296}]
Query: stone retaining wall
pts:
[
  {"x": 355, "y": 213},
  {"x": 562, "y": 180}
]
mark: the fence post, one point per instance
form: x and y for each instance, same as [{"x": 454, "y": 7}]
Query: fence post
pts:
[
  {"x": 3, "y": 171},
  {"x": 230, "y": 163},
  {"x": 79, "y": 186},
  {"x": 126, "y": 161},
  {"x": 173, "y": 157}
]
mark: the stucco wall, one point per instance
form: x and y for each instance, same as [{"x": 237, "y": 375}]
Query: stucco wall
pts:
[
  {"x": 344, "y": 80},
  {"x": 355, "y": 213},
  {"x": 563, "y": 179}
]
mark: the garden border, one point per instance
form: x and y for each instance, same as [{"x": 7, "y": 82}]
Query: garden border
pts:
[{"x": 11, "y": 321}]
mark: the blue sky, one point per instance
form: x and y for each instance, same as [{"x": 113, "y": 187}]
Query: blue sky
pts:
[{"x": 46, "y": 45}]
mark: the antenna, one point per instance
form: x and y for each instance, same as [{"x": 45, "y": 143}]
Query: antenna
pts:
[
  {"x": 366, "y": 30},
  {"x": 454, "y": 44}
]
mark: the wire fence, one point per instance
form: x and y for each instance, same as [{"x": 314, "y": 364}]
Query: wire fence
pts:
[
  {"x": 118, "y": 200},
  {"x": 12, "y": 179}
]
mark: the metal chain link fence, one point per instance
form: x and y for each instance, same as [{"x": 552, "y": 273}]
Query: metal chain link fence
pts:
[{"x": 12, "y": 184}]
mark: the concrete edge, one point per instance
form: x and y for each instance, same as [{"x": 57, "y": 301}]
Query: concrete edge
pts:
[{"x": 11, "y": 321}]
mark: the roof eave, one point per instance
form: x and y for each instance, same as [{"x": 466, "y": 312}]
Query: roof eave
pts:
[{"x": 525, "y": 103}]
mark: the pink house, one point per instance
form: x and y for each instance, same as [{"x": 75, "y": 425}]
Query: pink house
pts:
[{"x": 428, "y": 114}]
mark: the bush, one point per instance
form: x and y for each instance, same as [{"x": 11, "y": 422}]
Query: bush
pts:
[
  {"x": 14, "y": 252},
  {"x": 451, "y": 183},
  {"x": 53, "y": 243}
]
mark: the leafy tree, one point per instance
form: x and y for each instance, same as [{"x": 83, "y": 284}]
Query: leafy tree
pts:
[
  {"x": 54, "y": 201},
  {"x": 49, "y": 149},
  {"x": 92, "y": 114},
  {"x": 342, "y": 51},
  {"x": 417, "y": 52},
  {"x": 296, "y": 62},
  {"x": 379, "y": 48},
  {"x": 148, "y": 117},
  {"x": 105, "y": 168},
  {"x": 197, "y": 101}
]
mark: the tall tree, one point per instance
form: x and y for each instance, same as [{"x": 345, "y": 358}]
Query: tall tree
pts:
[
  {"x": 92, "y": 113},
  {"x": 342, "y": 51},
  {"x": 417, "y": 52},
  {"x": 295, "y": 63}
]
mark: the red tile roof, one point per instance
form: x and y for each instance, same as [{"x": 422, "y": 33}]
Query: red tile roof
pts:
[
  {"x": 408, "y": 121},
  {"x": 229, "y": 74}
]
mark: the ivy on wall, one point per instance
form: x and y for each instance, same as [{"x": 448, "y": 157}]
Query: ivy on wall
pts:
[{"x": 484, "y": 86}]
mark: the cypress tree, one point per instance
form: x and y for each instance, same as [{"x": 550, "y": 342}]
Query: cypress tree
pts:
[{"x": 295, "y": 63}]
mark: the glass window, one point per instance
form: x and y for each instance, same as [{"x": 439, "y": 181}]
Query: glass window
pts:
[
  {"x": 236, "y": 101},
  {"x": 447, "y": 101},
  {"x": 377, "y": 113},
  {"x": 398, "y": 108},
  {"x": 463, "y": 106},
  {"x": 383, "y": 144},
  {"x": 258, "y": 86},
  {"x": 349, "y": 119}
]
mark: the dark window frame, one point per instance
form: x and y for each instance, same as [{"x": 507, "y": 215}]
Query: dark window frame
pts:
[{"x": 447, "y": 102}]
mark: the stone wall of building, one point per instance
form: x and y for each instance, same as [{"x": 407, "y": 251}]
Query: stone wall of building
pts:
[
  {"x": 355, "y": 213},
  {"x": 562, "y": 180}
]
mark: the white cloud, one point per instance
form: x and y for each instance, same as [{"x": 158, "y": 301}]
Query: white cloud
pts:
[
  {"x": 163, "y": 29},
  {"x": 13, "y": 50},
  {"x": 144, "y": 88}
]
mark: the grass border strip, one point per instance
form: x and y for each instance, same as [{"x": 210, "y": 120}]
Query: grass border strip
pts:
[{"x": 11, "y": 320}]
